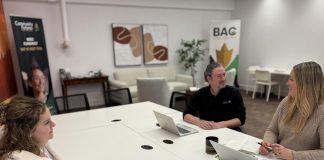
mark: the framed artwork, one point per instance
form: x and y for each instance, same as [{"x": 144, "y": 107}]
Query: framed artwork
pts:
[
  {"x": 128, "y": 44},
  {"x": 155, "y": 43}
]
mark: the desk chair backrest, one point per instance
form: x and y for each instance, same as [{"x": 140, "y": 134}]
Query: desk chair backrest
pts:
[
  {"x": 251, "y": 76},
  {"x": 76, "y": 102},
  {"x": 230, "y": 77},
  {"x": 180, "y": 101},
  {"x": 153, "y": 89},
  {"x": 262, "y": 76},
  {"x": 252, "y": 69},
  {"x": 119, "y": 96}
]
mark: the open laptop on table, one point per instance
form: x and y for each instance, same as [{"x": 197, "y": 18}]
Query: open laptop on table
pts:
[
  {"x": 226, "y": 153},
  {"x": 167, "y": 123}
]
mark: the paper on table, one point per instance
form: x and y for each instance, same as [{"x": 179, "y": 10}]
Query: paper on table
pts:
[
  {"x": 268, "y": 157},
  {"x": 235, "y": 144},
  {"x": 249, "y": 147}
]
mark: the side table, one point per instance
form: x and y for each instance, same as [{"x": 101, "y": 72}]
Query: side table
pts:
[
  {"x": 191, "y": 92},
  {"x": 85, "y": 80}
]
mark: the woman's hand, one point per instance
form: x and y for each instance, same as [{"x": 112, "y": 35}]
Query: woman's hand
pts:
[
  {"x": 282, "y": 152},
  {"x": 263, "y": 150}
]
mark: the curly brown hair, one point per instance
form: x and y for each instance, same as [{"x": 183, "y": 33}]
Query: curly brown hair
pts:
[{"x": 20, "y": 117}]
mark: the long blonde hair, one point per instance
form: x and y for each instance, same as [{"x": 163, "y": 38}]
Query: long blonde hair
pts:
[{"x": 310, "y": 93}]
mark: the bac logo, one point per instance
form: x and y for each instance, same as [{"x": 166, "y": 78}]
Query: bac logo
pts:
[{"x": 224, "y": 31}]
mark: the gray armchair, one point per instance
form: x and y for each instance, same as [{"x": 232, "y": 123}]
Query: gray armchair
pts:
[{"x": 154, "y": 89}]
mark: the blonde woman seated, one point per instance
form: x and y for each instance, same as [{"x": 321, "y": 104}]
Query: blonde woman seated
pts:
[
  {"x": 296, "y": 131},
  {"x": 27, "y": 127}
]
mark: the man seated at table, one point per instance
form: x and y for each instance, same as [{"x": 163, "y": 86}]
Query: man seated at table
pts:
[{"x": 217, "y": 105}]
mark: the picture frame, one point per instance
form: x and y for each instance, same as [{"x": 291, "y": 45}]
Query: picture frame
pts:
[
  {"x": 155, "y": 43},
  {"x": 127, "y": 44}
]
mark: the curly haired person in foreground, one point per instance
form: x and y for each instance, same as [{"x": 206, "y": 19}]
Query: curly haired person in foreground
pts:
[{"x": 26, "y": 129}]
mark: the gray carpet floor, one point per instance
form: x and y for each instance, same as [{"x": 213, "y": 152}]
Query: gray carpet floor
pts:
[{"x": 258, "y": 113}]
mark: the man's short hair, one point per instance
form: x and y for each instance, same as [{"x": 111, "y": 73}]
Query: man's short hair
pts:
[{"x": 209, "y": 69}]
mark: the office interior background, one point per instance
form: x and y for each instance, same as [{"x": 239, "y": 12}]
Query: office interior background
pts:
[{"x": 274, "y": 33}]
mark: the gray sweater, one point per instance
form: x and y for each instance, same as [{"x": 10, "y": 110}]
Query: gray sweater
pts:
[{"x": 306, "y": 145}]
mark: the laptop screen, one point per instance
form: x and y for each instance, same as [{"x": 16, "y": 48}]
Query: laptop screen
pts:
[{"x": 167, "y": 123}]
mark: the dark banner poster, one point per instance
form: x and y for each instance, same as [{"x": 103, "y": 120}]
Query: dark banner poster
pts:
[
  {"x": 32, "y": 55},
  {"x": 7, "y": 75}
]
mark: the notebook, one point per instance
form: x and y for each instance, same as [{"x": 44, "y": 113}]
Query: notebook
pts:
[{"x": 167, "y": 123}]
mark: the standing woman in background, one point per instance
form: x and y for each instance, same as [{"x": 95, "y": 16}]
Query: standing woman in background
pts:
[
  {"x": 296, "y": 131},
  {"x": 27, "y": 127}
]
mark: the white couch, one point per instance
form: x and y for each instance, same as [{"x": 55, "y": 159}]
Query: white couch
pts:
[{"x": 126, "y": 78}]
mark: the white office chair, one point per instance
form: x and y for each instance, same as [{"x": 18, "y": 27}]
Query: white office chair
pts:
[
  {"x": 263, "y": 77},
  {"x": 251, "y": 76},
  {"x": 153, "y": 89},
  {"x": 230, "y": 77}
]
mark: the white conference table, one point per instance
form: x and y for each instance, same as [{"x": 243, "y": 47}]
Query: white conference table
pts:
[
  {"x": 92, "y": 134},
  {"x": 275, "y": 71}
]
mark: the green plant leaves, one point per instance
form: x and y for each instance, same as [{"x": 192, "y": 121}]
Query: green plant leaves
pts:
[{"x": 191, "y": 52}]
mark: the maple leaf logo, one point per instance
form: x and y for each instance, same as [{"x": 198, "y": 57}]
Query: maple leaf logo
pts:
[{"x": 224, "y": 55}]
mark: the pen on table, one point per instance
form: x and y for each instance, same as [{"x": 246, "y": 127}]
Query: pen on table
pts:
[{"x": 268, "y": 148}]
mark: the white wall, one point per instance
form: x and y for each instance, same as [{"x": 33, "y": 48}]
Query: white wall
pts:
[
  {"x": 279, "y": 33},
  {"x": 90, "y": 31}
]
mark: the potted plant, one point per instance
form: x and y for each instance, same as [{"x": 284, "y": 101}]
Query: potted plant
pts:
[{"x": 190, "y": 53}]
